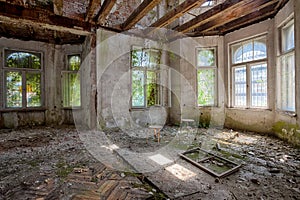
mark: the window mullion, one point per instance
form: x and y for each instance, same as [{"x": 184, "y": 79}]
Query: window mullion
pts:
[
  {"x": 24, "y": 100},
  {"x": 248, "y": 86},
  {"x": 145, "y": 88}
]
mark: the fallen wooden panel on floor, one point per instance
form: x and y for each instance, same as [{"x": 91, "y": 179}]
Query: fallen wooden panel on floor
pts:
[{"x": 210, "y": 163}]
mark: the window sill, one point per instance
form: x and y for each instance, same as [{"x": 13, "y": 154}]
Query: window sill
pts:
[
  {"x": 212, "y": 106},
  {"x": 22, "y": 109},
  {"x": 287, "y": 113},
  {"x": 72, "y": 108},
  {"x": 251, "y": 109},
  {"x": 144, "y": 108}
]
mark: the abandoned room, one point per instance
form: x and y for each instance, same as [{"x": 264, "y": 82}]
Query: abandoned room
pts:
[{"x": 149, "y": 99}]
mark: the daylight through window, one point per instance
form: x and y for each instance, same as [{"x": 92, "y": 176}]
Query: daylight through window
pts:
[
  {"x": 286, "y": 96},
  {"x": 206, "y": 76},
  {"x": 145, "y": 77},
  {"x": 23, "y": 79},
  {"x": 71, "y": 82},
  {"x": 249, "y": 73}
]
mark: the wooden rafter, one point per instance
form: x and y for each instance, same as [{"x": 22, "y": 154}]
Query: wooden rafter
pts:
[
  {"x": 105, "y": 9},
  {"x": 177, "y": 12},
  {"x": 251, "y": 18},
  {"x": 42, "y": 16},
  {"x": 58, "y": 7},
  {"x": 280, "y": 4},
  {"x": 210, "y": 14},
  {"x": 139, "y": 13},
  {"x": 233, "y": 14},
  {"x": 94, "y": 5}
]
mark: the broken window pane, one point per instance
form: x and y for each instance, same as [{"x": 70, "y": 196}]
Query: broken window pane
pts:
[
  {"x": 33, "y": 89},
  {"x": 23, "y": 85},
  {"x": 71, "y": 89},
  {"x": 206, "y": 87},
  {"x": 74, "y": 62},
  {"x": 152, "y": 88},
  {"x": 206, "y": 57},
  {"x": 14, "y": 89},
  {"x": 138, "y": 92},
  {"x": 145, "y": 72}
]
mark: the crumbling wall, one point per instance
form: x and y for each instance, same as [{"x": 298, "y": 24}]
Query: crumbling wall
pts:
[
  {"x": 53, "y": 62},
  {"x": 184, "y": 83},
  {"x": 114, "y": 81}
]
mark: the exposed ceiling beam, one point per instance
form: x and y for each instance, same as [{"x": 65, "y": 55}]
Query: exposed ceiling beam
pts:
[
  {"x": 41, "y": 16},
  {"x": 248, "y": 19},
  {"x": 139, "y": 13},
  {"x": 105, "y": 10},
  {"x": 58, "y": 7},
  {"x": 94, "y": 6},
  {"x": 210, "y": 14},
  {"x": 280, "y": 4},
  {"x": 177, "y": 12},
  {"x": 233, "y": 14}
]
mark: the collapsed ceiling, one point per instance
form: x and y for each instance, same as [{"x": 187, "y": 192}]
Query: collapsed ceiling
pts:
[{"x": 70, "y": 21}]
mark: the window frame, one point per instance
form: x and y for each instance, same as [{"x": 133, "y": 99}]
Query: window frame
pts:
[
  {"x": 214, "y": 68},
  {"x": 23, "y": 72},
  {"x": 282, "y": 57},
  {"x": 248, "y": 65},
  {"x": 66, "y": 70},
  {"x": 145, "y": 69}
]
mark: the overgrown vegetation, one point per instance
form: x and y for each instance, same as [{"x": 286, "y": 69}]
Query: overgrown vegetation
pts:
[
  {"x": 287, "y": 132},
  {"x": 63, "y": 169}
]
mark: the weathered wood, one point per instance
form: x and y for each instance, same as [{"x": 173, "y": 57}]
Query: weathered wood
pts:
[
  {"x": 42, "y": 16},
  {"x": 233, "y": 14},
  {"x": 251, "y": 18},
  {"x": 58, "y": 7},
  {"x": 94, "y": 6},
  {"x": 177, "y": 12},
  {"x": 139, "y": 13},
  {"x": 105, "y": 9},
  {"x": 213, "y": 13}
]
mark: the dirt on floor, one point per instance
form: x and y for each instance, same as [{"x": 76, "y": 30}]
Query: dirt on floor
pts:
[{"x": 53, "y": 163}]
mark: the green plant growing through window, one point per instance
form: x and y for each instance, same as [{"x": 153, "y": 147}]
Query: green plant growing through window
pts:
[
  {"x": 145, "y": 74},
  {"x": 206, "y": 76},
  {"x": 71, "y": 82},
  {"x": 23, "y": 79}
]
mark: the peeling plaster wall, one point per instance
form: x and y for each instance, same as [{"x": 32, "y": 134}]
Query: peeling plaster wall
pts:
[
  {"x": 184, "y": 82},
  {"x": 260, "y": 120},
  {"x": 54, "y": 60},
  {"x": 114, "y": 81},
  {"x": 283, "y": 16}
]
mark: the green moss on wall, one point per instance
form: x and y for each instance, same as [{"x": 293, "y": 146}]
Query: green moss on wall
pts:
[{"x": 288, "y": 132}]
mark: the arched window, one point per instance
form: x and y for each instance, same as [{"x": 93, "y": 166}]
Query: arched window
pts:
[
  {"x": 249, "y": 73},
  {"x": 252, "y": 50}
]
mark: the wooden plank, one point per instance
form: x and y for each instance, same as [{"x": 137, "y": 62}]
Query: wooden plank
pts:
[
  {"x": 251, "y": 18},
  {"x": 58, "y": 7},
  {"x": 233, "y": 14},
  {"x": 94, "y": 6},
  {"x": 213, "y": 13},
  {"x": 139, "y": 13},
  {"x": 105, "y": 9},
  {"x": 42, "y": 16},
  {"x": 177, "y": 12}
]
